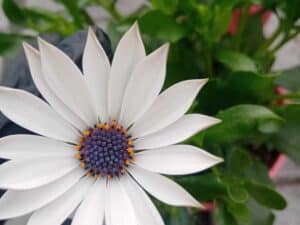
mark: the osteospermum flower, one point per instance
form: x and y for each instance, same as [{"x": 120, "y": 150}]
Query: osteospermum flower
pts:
[{"x": 106, "y": 136}]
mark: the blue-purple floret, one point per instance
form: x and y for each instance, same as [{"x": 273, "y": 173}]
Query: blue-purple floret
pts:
[{"x": 104, "y": 152}]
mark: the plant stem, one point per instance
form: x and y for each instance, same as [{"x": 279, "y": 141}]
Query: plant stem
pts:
[
  {"x": 242, "y": 26},
  {"x": 284, "y": 41},
  {"x": 269, "y": 41}
]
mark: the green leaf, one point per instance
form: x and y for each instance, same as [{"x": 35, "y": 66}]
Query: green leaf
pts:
[
  {"x": 239, "y": 211},
  {"x": 73, "y": 7},
  {"x": 241, "y": 122},
  {"x": 265, "y": 195},
  {"x": 203, "y": 187},
  {"x": 237, "y": 193},
  {"x": 237, "y": 162},
  {"x": 9, "y": 43},
  {"x": 159, "y": 25},
  {"x": 287, "y": 139},
  {"x": 290, "y": 79},
  {"x": 236, "y": 61},
  {"x": 45, "y": 21},
  {"x": 167, "y": 6},
  {"x": 224, "y": 216},
  {"x": 238, "y": 88},
  {"x": 13, "y": 12},
  {"x": 212, "y": 20},
  {"x": 258, "y": 171}
]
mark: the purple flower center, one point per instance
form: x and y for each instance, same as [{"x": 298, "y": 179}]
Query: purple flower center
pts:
[{"x": 105, "y": 150}]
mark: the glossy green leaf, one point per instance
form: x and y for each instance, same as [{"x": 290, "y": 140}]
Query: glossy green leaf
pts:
[
  {"x": 207, "y": 183},
  {"x": 237, "y": 88},
  {"x": 167, "y": 6},
  {"x": 241, "y": 122},
  {"x": 224, "y": 217},
  {"x": 239, "y": 211},
  {"x": 265, "y": 195},
  {"x": 13, "y": 12},
  {"x": 159, "y": 25},
  {"x": 213, "y": 20},
  {"x": 236, "y": 61},
  {"x": 237, "y": 193},
  {"x": 237, "y": 162}
]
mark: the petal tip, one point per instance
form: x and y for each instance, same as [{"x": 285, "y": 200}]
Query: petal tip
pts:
[
  {"x": 216, "y": 121},
  {"x": 43, "y": 43},
  {"x": 28, "y": 49},
  {"x": 91, "y": 33}
]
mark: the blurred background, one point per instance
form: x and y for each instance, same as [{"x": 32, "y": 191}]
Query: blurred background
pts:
[{"x": 250, "y": 50}]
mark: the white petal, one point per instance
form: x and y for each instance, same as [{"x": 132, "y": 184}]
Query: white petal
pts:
[
  {"x": 22, "y": 220},
  {"x": 32, "y": 146},
  {"x": 66, "y": 80},
  {"x": 18, "y": 203},
  {"x": 185, "y": 127},
  {"x": 146, "y": 212},
  {"x": 58, "y": 211},
  {"x": 91, "y": 210},
  {"x": 31, "y": 173},
  {"x": 176, "y": 160},
  {"x": 144, "y": 85},
  {"x": 163, "y": 188},
  {"x": 34, "y": 114},
  {"x": 168, "y": 107},
  {"x": 35, "y": 66},
  {"x": 120, "y": 210},
  {"x": 96, "y": 68},
  {"x": 129, "y": 52}
]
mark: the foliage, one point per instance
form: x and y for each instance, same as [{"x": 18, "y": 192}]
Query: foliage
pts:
[{"x": 242, "y": 91}]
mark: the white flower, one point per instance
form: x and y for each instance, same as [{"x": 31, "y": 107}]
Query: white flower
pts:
[{"x": 106, "y": 136}]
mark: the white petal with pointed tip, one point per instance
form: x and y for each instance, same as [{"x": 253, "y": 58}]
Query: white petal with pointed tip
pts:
[
  {"x": 58, "y": 211},
  {"x": 18, "y": 221},
  {"x": 35, "y": 66},
  {"x": 32, "y": 173},
  {"x": 34, "y": 114},
  {"x": 66, "y": 80},
  {"x": 168, "y": 107},
  {"x": 129, "y": 52},
  {"x": 96, "y": 68},
  {"x": 146, "y": 212},
  {"x": 185, "y": 127},
  {"x": 22, "y": 146},
  {"x": 121, "y": 209},
  {"x": 163, "y": 188},
  {"x": 19, "y": 203},
  {"x": 91, "y": 210},
  {"x": 144, "y": 85},
  {"x": 176, "y": 160}
]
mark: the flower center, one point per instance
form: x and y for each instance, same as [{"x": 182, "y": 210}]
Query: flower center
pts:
[{"x": 105, "y": 150}]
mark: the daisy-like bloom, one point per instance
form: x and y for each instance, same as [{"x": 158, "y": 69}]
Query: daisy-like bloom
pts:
[{"x": 106, "y": 135}]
